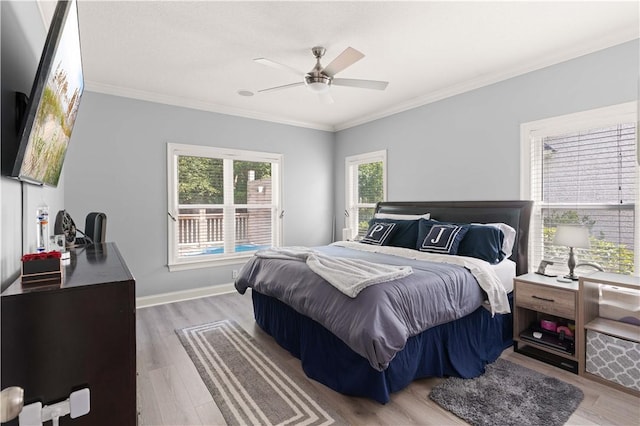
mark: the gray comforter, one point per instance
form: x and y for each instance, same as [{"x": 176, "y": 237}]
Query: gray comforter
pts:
[{"x": 377, "y": 323}]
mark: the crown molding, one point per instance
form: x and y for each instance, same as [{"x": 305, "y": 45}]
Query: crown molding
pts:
[
  {"x": 623, "y": 36},
  {"x": 143, "y": 95}
]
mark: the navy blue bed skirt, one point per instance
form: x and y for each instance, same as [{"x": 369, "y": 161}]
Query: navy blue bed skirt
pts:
[{"x": 460, "y": 348}]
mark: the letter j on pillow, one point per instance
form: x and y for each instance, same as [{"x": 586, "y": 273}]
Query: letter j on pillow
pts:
[{"x": 444, "y": 239}]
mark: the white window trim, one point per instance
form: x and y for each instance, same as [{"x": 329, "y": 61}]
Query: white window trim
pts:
[
  {"x": 610, "y": 115},
  {"x": 353, "y": 161},
  {"x": 174, "y": 150}
]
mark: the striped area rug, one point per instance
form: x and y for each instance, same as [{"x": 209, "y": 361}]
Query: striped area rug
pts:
[{"x": 248, "y": 387}]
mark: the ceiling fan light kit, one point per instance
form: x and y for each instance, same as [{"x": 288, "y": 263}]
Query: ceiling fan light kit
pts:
[
  {"x": 320, "y": 79},
  {"x": 318, "y": 84}
]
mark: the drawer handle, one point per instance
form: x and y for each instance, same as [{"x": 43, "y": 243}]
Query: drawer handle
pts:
[{"x": 543, "y": 298}]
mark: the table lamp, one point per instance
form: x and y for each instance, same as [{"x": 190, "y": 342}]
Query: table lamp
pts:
[{"x": 571, "y": 236}]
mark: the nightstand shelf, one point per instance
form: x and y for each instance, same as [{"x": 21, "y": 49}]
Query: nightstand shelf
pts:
[
  {"x": 536, "y": 298},
  {"x": 608, "y": 347},
  {"x": 614, "y": 328}
]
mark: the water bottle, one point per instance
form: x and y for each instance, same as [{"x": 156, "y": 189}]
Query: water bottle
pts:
[{"x": 42, "y": 229}]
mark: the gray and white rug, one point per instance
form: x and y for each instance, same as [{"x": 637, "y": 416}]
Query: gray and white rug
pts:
[
  {"x": 509, "y": 394},
  {"x": 248, "y": 387}
]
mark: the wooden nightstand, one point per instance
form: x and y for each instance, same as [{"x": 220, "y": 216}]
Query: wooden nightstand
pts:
[{"x": 537, "y": 298}]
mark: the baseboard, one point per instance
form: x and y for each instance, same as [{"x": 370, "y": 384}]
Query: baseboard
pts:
[{"x": 178, "y": 296}]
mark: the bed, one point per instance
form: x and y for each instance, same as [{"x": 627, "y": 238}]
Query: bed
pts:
[{"x": 460, "y": 341}]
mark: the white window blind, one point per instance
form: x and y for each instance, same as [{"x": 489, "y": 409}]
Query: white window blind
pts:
[
  {"x": 587, "y": 177},
  {"x": 365, "y": 186},
  {"x": 223, "y": 204}
]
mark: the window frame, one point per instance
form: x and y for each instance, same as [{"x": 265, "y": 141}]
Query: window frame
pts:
[
  {"x": 351, "y": 204},
  {"x": 590, "y": 119},
  {"x": 174, "y": 150}
]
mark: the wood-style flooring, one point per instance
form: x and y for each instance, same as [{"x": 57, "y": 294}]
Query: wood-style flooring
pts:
[{"x": 170, "y": 391}]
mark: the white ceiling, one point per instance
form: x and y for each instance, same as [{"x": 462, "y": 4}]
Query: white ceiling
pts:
[{"x": 199, "y": 54}]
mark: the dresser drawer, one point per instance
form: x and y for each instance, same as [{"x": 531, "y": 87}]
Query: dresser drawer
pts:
[{"x": 546, "y": 299}]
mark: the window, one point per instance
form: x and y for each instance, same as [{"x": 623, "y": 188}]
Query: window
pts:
[
  {"x": 582, "y": 169},
  {"x": 223, "y": 204},
  {"x": 366, "y": 184}
]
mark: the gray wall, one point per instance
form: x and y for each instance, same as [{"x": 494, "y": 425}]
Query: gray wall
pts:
[
  {"x": 117, "y": 165},
  {"x": 467, "y": 147},
  {"x": 22, "y": 37}
]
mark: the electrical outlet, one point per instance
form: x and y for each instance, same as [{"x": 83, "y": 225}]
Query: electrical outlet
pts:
[{"x": 234, "y": 274}]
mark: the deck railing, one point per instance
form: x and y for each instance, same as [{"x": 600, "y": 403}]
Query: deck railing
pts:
[{"x": 197, "y": 231}]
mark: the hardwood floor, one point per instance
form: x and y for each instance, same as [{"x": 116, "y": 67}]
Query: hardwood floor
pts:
[{"x": 170, "y": 391}]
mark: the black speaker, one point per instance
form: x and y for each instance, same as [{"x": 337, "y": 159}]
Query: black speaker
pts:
[{"x": 95, "y": 227}]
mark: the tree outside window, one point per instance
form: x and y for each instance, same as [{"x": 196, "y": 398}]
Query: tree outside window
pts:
[{"x": 223, "y": 203}]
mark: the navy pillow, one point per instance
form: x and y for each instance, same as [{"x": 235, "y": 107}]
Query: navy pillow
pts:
[
  {"x": 405, "y": 234},
  {"x": 444, "y": 238},
  {"x": 424, "y": 226},
  {"x": 481, "y": 241},
  {"x": 378, "y": 233}
]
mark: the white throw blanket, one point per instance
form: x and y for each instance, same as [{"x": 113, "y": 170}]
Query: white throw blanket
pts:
[
  {"x": 486, "y": 277},
  {"x": 350, "y": 276}
]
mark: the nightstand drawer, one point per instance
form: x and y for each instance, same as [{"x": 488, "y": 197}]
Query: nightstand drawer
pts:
[{"x": 546, "y": 299}]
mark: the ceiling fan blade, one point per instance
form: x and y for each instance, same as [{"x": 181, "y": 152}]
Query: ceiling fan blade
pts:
[
  {"x": 363, "y": 84},
  {"x": 325, "y": 98},
  {"x": 348, "y": 57},
  {"x": 286, "y": 86},
  {"x": 278, "y": 65}
]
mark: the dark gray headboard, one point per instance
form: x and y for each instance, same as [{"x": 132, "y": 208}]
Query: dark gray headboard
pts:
[{"x": 516, "y": 214}]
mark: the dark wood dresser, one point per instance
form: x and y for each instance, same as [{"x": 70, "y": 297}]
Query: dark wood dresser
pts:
[{"x": 82, "y": 333}]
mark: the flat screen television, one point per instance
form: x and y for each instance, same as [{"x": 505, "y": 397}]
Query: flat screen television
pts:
[{"x": 53, "y": 104}]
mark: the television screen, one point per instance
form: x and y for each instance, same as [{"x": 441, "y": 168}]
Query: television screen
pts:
[{"x": 53, "y": 104}]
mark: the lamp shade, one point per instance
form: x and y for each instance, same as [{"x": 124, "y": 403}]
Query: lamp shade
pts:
[{"x": 572, "y": 236}]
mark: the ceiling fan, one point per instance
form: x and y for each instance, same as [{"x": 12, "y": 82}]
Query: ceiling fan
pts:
[{"x": 320, "y": 79}]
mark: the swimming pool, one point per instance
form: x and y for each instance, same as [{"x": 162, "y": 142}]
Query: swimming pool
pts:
[{"x": 220, "y": 250}]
